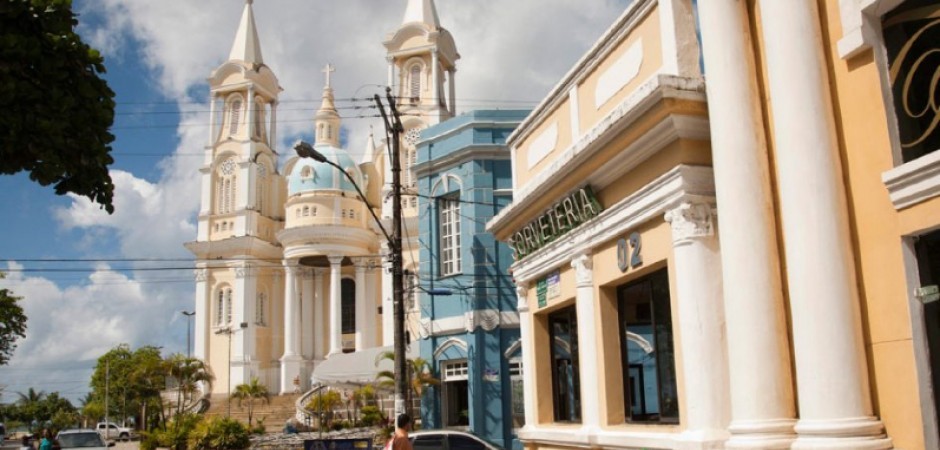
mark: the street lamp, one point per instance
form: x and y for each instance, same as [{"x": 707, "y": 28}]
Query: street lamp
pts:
[
  {"x": 229, "y": 332},
  {"x": 189, "y": 331},
  {"x": 305, "y": 150}
]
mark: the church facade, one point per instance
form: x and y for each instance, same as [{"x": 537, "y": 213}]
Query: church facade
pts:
[{"x": 291, "y": 265}]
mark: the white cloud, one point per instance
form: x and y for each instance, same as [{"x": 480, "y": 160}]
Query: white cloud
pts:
[{"x": 512, "y": 52}]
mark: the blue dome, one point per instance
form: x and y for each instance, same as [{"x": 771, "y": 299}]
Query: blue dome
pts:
[{"x": 308, "y": 175}]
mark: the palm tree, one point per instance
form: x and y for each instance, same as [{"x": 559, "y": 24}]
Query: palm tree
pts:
[
  {"x": 30, "y": 402},
  {"x": 419, "y": 374},
  {"x": 188, "y": 373},
  {"x": 250, "y": 392}
]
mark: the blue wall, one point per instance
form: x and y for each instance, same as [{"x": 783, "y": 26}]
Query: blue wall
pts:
[{"x": 470, "y": 152}]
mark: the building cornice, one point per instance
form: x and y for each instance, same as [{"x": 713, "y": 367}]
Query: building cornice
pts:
[
  {"x": 235, "y": 246},
  {"x": 473, "y": 152},
  {"x": 672, "y": 127},
  {"x": 682, "y": 184}
]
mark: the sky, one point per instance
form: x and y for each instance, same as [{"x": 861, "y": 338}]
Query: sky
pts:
[{"x": 91, "y": 281}]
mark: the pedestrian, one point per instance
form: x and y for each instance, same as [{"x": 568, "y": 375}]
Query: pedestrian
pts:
[
  {"x": 46, "y": 442},
  {"x": 399, "y": 440}
]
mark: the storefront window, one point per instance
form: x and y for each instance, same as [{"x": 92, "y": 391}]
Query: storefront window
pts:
[
  {"x": 911, "y": 34},
  {"x": 518, "y": 398},
  {"x": 566, "y": 383},
  {"x": 649, "y": 366}
]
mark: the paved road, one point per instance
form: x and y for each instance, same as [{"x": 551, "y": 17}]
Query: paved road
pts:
[{"x": 15, "y": 445}]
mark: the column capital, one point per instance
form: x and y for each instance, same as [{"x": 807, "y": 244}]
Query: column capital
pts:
[
  {"x": 690, "y": 221},
  {"x": 522, "y": 303},
  {"x": 335, "y": 260},
  {"x": 583, "y": 265},
  {"x": 201, "y": 275},
  {"x": 244, "y": 271}
]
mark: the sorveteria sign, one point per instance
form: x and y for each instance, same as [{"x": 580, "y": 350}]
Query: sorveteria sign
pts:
[{"x": 562, "y": 217}]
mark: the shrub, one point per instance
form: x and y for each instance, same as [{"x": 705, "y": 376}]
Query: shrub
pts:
[
  {"x": 175, "y": 436},
  {"x": 259, "y": 427},
  {"x": 371, "y": 416},
  {"x": 219, "y": 434}
]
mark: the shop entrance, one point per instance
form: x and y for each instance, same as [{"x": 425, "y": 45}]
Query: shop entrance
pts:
[
  {"x": 928, "y": 264},
  {"x": 455, "y": 387}
]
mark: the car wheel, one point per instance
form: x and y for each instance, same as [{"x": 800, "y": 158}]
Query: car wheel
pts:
[{"x": 125, "y": 437}]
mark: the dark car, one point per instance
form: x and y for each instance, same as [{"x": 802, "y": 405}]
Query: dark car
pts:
[{"x": 448, "y": 440}]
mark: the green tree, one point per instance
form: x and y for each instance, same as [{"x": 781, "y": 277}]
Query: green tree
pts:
[
  {"x": 419, "y": 373},
  {"x": 131, "y": 380},
  {"x": 249, "y": 393},
  {"x": 188, "y": 373},
  {"x": 325, "y": 403},
  {"x": 57, "y": 110},
  {"x": 12, "y": 318}
]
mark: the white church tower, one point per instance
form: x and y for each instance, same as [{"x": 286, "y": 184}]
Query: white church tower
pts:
[
  {"x": 240, "y": 213},
  {"x": 422, "y": 58}
]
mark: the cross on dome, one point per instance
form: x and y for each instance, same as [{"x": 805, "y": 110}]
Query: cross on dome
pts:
[{"x": 328, "y": 70}]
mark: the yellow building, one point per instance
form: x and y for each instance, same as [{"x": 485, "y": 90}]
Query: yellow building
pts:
[{"x": 744, "y": 258}]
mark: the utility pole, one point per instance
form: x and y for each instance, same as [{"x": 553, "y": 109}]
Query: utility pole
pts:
[
  {"x": 107, "y": 406},
  {"x": 395, "y": 127}
]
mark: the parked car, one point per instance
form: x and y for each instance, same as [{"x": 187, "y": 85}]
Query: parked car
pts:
[
  {"x": 448, "y": 440},
  {"x": 110, "y": 430},
  {"x": 83, "y": 439}
]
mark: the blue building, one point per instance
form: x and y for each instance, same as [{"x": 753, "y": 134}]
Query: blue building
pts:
[{"x": 470, "y": 337}]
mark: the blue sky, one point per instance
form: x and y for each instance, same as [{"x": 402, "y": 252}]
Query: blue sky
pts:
[{"x": 158, "y": 55}]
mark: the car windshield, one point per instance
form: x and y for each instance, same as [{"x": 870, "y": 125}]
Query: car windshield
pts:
[{"x": 78, "y": 440}]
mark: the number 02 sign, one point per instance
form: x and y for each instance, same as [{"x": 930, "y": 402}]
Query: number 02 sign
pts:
[{"x": 628, "y": 252}]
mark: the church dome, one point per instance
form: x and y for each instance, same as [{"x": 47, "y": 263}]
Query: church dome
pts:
[{"x": 308, "y": 175}]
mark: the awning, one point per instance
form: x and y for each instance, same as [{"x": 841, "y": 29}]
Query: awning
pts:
[{"x": 357, "y": 368}]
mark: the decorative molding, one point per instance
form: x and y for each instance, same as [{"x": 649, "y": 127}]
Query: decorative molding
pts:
[
  {"x": 861, "y": 24},
  {"x": 522, "y": 303},
  {"x": 690, "y": 221},
  {"x": 244, "y": 271},
  {"x": 488, "y": 319},
  {"x": 583, "y": 266},
  {"x": 542, "y": 146},
  {"x": 619, "y": 74},
  {"x": 914, "y": 182},
  {"x": 201, "y": 275},
  {"x": 452, "y": 342},
  {"x": 684, "y": 183}
]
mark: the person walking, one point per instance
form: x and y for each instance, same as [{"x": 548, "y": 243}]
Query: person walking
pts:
[
  {"x": 400, "y": 439},
  {"x": 46, "y": 442}
]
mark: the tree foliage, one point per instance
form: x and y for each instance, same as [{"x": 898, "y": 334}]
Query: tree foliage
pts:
[
  {"x": 40, "y": 410},
  {"x": 12, "y": 322},
  {"x": 249, "y": 393},
  {"x": 57, "y": 110},
  {"x": 131, "y": 380}
]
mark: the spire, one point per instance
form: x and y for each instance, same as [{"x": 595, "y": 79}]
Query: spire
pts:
[
  {"x": 370, "y": 148},
  {"x": 247, "y": 48},
  {"x": 422, "y": 11},
  {"x": 327, "y": 119}
]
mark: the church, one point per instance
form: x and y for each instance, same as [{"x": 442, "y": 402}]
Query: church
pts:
[{"x": 292, "y": 268}]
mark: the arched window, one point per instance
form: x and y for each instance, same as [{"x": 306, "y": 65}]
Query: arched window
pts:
[
  {"x": 329, "y": 132},
  {"x": 220, "y": 307},
  {"x": 259, "y": 119},
  {"x": 306, "y": 211},
  {"x": 261, "y": 190},
  {"x": 228, "y": 306},
  {"x": 348, "y": 305},
  {"x": 234, "y": 116},
  {"x": 298, "y": 212},
  {"x": 261, "y": 307},
  {"x": 320, "y": 132},
  {"x": 415, "y": 81}
]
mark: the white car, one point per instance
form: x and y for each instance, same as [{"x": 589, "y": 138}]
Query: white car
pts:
[
  {"x": 110, "y": 430},
  {"x": 448, "y": 440},
  {"x": 83, "y": 439}
]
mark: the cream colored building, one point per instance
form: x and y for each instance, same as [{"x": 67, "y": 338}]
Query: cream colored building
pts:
[
  {"x": 291, "y": 264},
  {"x": 745, "y": 258}
]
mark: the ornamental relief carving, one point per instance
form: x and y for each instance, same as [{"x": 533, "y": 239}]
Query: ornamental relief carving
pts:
[
  {"x": 583, "y": 267},
  {"x": 201, "y": 275},
  {"x": 488, "y": 319},
  {"x": 690, "y": 221}
]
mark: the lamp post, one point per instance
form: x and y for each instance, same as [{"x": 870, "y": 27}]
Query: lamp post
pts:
[
  {"x": 189, "y": 331},
  {"x": 229, "y": 332}
]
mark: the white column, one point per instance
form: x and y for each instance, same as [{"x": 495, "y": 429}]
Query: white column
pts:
[
  {"x": 336, "y": 318},
  {"x": 762, "y": 406},
  {"x": 272, "y": 127},
  {"x": 588, "y": 356},
  {"x": 250, "y": 115},
  {"x": 373, "y": 281},
  {"x": 318, "y": 317},
  {"x": 307, "y": 311},
  {"x": 391, "y": 71},
  {"x": 435, "y": 79},
  {"x": 211, "y": 119},
  {"x": 202, "y": 318},
  {"x": 529, "y": 394},
  {"x": 697, "y": 263},
  {"x": 244, "y": 363},
  {"x": 291, "y": 361},
  {"x": 453, "y": 92},
  {"x": 360, "y": 305},
  {"x": 831, "y": 367}
]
